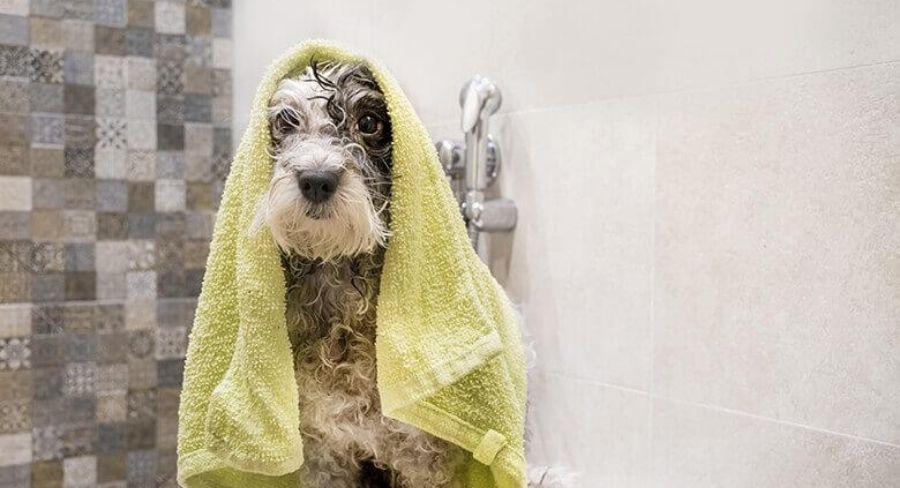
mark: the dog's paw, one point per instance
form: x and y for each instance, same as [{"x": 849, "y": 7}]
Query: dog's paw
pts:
[{"x": 552, "y": 477}]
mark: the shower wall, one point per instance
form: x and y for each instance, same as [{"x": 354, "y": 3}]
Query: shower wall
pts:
[
  {"x": 706, "y": 255},
  {"x": 114, "y": 140}
]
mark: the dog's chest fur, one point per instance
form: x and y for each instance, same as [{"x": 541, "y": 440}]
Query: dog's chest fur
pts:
[{"x": 331, "y": 317}]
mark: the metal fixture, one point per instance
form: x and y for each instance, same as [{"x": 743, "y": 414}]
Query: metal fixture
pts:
[{"x": 473, "y": 164}]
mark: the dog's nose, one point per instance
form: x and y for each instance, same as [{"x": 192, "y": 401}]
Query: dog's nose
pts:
[{"x": 317, "y": 186}]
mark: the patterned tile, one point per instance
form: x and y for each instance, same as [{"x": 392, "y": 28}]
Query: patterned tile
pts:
[
  {"x": 15, "y": 61},
  {"x": 171, "y": 342},
  {"x": 15, "y": 415},
  {"x": 112, "y": 134},
  {"x": 46, "y": 442},
  {"x": 80, "y": 379},
  {"x": 111, "y": 164},
  {"x": 112, "y": 378},
  {"x": 48, "y": 129},
  {"x": 15, "y": 353},
  {"x": 45, "y": 65},
  {"x": 170, "y": 77},
  {"x": 80, "y": 472},
  {"x": 170, "y": 17},
  {"x": 170, "y": 109},
  {"x": 110, "y": 72}
]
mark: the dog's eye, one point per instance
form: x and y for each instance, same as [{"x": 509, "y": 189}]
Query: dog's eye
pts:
[
  {"x": 287, "y": 120},
  {"x": 369, "y": 124}
]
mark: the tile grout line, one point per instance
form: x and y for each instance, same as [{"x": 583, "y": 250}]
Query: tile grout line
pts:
[
  {"x": 652, "y": 332},
  {"x": 716, "y": 408},
  {"x": 675, "y": 91}
]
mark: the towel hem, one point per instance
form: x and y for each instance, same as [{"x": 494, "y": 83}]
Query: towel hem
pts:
[
  {"x": 453, "y": 429},
  {"x": 205, "y": 460}
]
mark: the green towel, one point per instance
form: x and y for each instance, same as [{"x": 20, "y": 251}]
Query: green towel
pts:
[{"x": 448, "y": 347}]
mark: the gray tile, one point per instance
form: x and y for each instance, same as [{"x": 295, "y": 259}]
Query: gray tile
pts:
[
  {"x": 45, "y": 97},
  {"x": 221, "y": 22},
  {"x": 14, "y": 96},
  {"x": 13, "y": 29},
  {"x": 78, "y": 9},
  {"x": 139, "y": 42},
  {"x": 78, "y": 34},
  {"x": 112, "y": 196},
  {"x": 15, "y": 160},
  {"x": 111, "y": 12},
  {"x": 78, "y": 67},
  {"x": 80, "y": 256}
]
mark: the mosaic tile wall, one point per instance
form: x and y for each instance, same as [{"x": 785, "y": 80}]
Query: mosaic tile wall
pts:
[{"x": 114, "y": 142}]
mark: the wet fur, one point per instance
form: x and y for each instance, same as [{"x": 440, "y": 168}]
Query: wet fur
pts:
[{"x": 332, "y": 257}]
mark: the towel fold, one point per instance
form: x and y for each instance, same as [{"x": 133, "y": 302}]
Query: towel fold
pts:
[{"x": 449, "y": 359}]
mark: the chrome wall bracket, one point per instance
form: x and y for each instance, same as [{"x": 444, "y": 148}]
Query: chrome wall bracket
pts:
[{"x": 474, "y": 163}]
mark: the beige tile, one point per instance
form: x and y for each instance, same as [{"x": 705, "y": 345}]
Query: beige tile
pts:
[
  {"x": 580, "y": 256},
  {"x": 16, "y": 449},
  {"x": 694, "y": 447},
  {"x": 600, "y": 432},
  {"x": 15, "y": 320},
  {"x": 346, "y": 21},
  {"x": 704, "y": 42},
  {"x": 15, "y": 193},
  {"x": 539, "y": 53},
  {"x": 776, "y": 255}
]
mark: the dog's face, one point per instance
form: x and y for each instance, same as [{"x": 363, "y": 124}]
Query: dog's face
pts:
[{"x": 331, "y": 143}]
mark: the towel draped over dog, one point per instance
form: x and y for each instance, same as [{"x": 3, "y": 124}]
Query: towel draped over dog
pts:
[{"x": 448, "y": 353}]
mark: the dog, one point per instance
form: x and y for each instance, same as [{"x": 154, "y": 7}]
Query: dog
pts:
[{"x": 328, "y": 211}]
